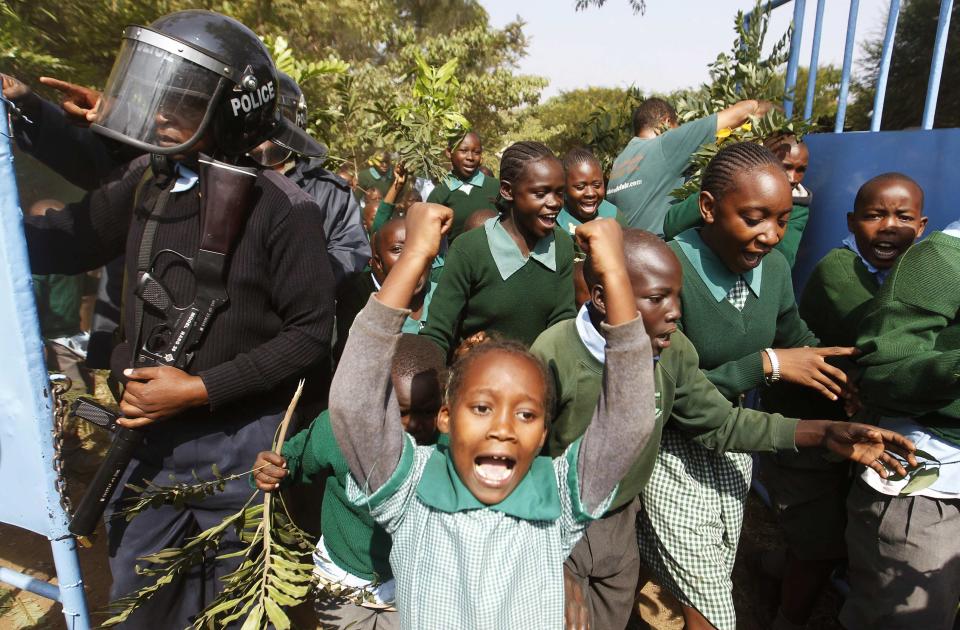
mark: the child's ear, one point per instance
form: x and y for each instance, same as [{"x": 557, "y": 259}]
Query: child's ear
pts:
[
  {"x": 598, "y": 299},
  {"x": 922, "y": 226},
  {"x": 376, "y": 264},
  {"x": 506, "y": 190},
  {"x": 707, "y": 207},
  {"x": 850, "y": 221},
  {"x": 443, "y": 419},
  {"x": 448, "y": 153}
]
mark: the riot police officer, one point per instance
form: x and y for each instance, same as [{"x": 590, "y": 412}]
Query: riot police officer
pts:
[{"x": 198, "y": 82}]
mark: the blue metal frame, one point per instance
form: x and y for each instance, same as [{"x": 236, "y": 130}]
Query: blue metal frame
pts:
[
  {"x": 32, "y": 410},
  {"x": 796, "y": 38},
  {"x": 885, "y": 55},
  {"x": 814, "y": 61},
  {"x": 847, "y": 65},
  {"x": 936, "y": 66}
]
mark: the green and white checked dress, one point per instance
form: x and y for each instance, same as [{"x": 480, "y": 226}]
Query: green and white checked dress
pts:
[
  {"x": 461, "y": 565},
  {"x": 689, "y": 526}
]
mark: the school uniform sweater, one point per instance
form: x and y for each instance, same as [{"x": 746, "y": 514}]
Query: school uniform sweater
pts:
[
  {"x": 719, "y": 331},
  {"x": 910, "y": 339},
  {"x": 355, "y": 543},
  {"x": 463, "y": 204},
  {"x": 683, "y": 397},
  {"x": 472, "y": 295},
  {"x": 833, "y": 304}
]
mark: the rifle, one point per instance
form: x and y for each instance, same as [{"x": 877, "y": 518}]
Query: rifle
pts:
[{"x": 226, "y": 194}]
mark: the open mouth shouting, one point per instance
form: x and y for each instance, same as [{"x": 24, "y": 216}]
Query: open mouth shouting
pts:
[
  {"x": 547, "y": 220},
  {"x": 886, "y": 251},
  {"x": 751, "y": 258},
  {"x": 662, "y": 341},
  {"x": 494, "y": 471}
]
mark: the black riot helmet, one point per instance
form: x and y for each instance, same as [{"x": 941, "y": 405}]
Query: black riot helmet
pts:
[
  {"x": 293, "y": 106},
  {"x": 191, "y": 73}
]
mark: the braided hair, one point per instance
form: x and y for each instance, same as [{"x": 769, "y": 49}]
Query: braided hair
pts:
[
  {"x": 513, "y": 162},
  {"x": 730, "y": 161},
  {"x": 577, "y": 156},
  {"x": 462, "y": 365}
]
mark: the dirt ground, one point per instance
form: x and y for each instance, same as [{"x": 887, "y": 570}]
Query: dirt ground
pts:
[{"x": 755, "y": 595}]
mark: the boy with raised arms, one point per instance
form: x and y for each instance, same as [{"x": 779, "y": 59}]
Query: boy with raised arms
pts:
[
  {"x": 605, "y": 564},
  {"x": 481, "y": 527}
]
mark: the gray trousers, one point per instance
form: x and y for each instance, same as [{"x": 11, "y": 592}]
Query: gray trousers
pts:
[
  {"x": 904, "y": 561},
  {"x": 343, "y": 614},
  {"x": 607, "y": 563}
]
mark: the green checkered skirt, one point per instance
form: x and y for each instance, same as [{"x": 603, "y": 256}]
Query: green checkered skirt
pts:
[{"x": 690, "y": 524}]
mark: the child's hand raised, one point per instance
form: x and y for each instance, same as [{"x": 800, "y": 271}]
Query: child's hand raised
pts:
[
  {"x": 426, "y": 225},
  {"x": 269, "y": 470},
  {"x": 602, "y": 240}
]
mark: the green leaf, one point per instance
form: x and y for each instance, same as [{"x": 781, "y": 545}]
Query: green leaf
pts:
[
  {"x": 276, "y": 615},
  {"x": 923, "y": 478},
  {"x": 253, "y": 619}
]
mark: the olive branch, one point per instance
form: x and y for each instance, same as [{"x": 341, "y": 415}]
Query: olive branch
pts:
[
  {"x": 271, "y": 576},
  {"x": 921, "y": 477}
]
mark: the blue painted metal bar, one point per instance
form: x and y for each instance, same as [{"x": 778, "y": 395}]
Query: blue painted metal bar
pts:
[
  {"x": 27, "y": 583},
  {"x": 885, "y": 55},
  {"x": 847, "y": 65},
  {"x": 936, "y": 67},
  {"x": 796, "y": 39},
  {"x": 31, "y": 410},
  {"x": 770, "y": 6},
  {"x": 814, "y": 61}
]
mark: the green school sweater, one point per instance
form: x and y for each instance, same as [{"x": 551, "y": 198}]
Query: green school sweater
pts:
[
  {"x": 462, "y": 204},
  {"x": 684, "y": 397},
  {"x": 58, "y": 300},
  {"x": 472, "y": 296},
  {"x": 835, "y": 300},
  {"x": 686, "y": 214},
  {"x": 910, "y": 339},
  {"x": 355, "y": 542},
  {"x": 729, "y": 341},
  {"x": 369, "y": 178}
]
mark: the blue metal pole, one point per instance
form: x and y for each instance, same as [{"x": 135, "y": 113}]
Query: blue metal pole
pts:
[
  {"x": 796, "y": 39},
  {"x": 847, "y": 64},
  {"x": 814, "y": 61},
  {"x": 885, "y": 55},
  {"x": 936, "y": 66},
  {"x": 30, "y": 374}
]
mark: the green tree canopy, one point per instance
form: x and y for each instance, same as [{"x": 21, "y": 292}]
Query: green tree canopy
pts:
[{"x": 909, "y": 72}]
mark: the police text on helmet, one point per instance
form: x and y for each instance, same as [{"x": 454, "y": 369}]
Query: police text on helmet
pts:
[{"x": 254, "y": 100}]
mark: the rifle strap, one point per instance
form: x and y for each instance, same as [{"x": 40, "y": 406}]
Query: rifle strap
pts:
[{"x": 145, "y": 253}]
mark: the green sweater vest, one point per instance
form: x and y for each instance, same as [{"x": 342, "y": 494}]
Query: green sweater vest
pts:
[
  {"x": 834, "y": 301},
  {"x": 683, "y": 394},
  {"x": 910, "y": 339},
  {"x": 464, "y": 205},
  {"x": 355, "y": 542},
  {"x": 471, "y": 296},
  {"x": 729, "y": 341},
  {"x": 686, "y": 214}
]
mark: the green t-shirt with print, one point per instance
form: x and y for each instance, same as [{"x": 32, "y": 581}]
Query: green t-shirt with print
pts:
[{"x": 648, "y": 169}]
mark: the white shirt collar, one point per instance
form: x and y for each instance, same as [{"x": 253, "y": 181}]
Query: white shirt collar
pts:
[{"x": 590, "y": 336}]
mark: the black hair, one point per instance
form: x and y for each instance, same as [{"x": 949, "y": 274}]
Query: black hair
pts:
[
  {"x": 732, "y": 160},
  {"x": 638, "y": 245},
  {"x": 577, "y": 156},
  {"x": 498, "y": 344},
  {"x": 515, "y": 159},
  {"x": 866, "y": 189},
  {"x": 651, "y": 113},
  {"x": 453, "y": 144},
  {"x": 417, "y": 355}
]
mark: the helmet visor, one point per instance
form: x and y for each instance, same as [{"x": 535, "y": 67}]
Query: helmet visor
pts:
[{"x": 157, "y": 99}]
